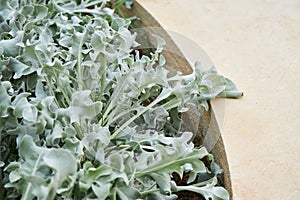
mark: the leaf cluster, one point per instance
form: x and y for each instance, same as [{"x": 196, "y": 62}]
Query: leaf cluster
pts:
[{"x": 82, "y": 117}]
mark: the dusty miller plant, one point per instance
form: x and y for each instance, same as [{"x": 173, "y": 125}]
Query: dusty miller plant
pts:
[{"x": 83, "y": 117}]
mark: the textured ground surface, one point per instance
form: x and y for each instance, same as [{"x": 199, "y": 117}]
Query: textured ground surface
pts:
[{"x": 257, "y": 44}]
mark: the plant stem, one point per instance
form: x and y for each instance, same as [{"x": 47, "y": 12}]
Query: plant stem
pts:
[
  {"x": 78, "y": 131},
  {"x": 162, "y": 166},
  {"x": 87, "y": 11},
  {"x": 79, "y": 67},
  {"x": 175, "y": 102},
  {"x": 159, "y": 98},
  {"x": 46, "y": 78},
  {"x": 119, "y": 5},
  {"x": 62, "y": 90},
  {"x": 35, "y": 168},
  {"x": 93, "y": 3},
  {"x": 68, "y": 75},
  {"x": 143, "y": 194},
  {"x": 114, "y": 98}
]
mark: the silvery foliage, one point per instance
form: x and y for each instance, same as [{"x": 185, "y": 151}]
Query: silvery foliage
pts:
[{"x": 82, "y": 117}]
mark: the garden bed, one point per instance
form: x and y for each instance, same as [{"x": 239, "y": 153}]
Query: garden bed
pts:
[{"x": 86, "y": 113}]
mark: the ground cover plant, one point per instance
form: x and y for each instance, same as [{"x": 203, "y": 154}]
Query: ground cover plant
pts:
[{"x": 84, "y": 116}]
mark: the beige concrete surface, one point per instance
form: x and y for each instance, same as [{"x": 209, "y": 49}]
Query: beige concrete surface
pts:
[{"x": 257, "y": 45}]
